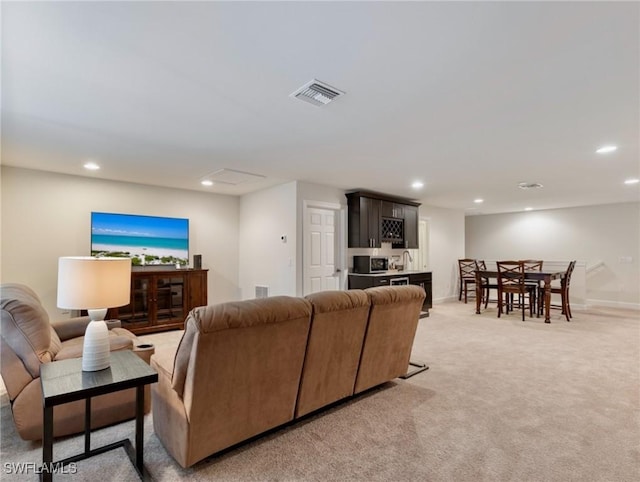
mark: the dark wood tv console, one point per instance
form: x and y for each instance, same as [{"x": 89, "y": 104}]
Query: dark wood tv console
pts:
[{"x": 161, "y": 299}]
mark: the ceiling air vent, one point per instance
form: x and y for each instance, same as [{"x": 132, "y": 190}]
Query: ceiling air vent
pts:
[
  {"x": 530, "y": 185},
  {"x": 231, "y": 176},
  {"x": 317, "y": 93}
]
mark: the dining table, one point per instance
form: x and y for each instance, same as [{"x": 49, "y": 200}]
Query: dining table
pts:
[{"x": 545, "y": 276}]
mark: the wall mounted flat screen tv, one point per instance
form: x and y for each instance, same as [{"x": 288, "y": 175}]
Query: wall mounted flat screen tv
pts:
[{"x": 147, "y": 240}]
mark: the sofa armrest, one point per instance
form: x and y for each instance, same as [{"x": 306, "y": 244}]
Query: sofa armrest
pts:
[
  {"x": 14, "y": 374},
  {"x": 144, "y": 351},
  {"x": 74, "y": 350},
  {"x": 75, "y": 327},
  {"x": 111, "y": 324}
]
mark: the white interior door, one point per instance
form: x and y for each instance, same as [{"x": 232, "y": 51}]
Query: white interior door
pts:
[
  {"x": 319, "y": 250},
  {"x": 423, "y": 242}
]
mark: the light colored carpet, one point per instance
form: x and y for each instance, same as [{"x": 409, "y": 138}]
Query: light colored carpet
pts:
[{"x": 503, "y": 400}]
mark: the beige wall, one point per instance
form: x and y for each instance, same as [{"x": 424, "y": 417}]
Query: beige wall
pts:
[
  {"x": 445, "y": 246},
  {"x": 604, "y": 239},
  {"x": 265, "y": 216},
  {"x": 46, "y": 215}
]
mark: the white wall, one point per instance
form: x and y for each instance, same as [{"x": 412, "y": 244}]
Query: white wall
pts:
[
  {"x": 47, "y": 215},
  {"x": 316, "y": 192},
  {"x": 264, "y": 259},
  {"x": 446, "y": 246},
  {"x": 601, "y": 238}
]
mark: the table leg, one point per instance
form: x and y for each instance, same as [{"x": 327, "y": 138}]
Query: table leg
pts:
[
  {"x": 478, "y": 292},
  {"x": 140, "y": 429},
  {"x": 547, "y": 299},
  {"x": 47, "y": 445},
  {"x": 87, "y": 425}
]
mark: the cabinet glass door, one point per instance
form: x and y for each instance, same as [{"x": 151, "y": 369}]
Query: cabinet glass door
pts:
[
  {"x": 137, "y": 311},
  {"x": 169, "y": 299}
]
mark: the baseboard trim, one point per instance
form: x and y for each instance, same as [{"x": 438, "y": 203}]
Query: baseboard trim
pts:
[
  {"x": 613, "y": 304},
  {"x": 447, "y": 298}
]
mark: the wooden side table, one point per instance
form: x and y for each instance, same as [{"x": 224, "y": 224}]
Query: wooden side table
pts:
[{"x": 64, "y": 381}]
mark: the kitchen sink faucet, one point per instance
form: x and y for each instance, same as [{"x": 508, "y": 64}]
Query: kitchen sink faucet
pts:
[{"x": 405, "y": 264}]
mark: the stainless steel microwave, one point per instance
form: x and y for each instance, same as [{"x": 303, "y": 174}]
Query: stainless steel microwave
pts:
[{"x": 370, "y": 264}]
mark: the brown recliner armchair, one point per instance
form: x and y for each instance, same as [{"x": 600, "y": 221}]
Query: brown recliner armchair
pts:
[{"x": 28, "y": 339}]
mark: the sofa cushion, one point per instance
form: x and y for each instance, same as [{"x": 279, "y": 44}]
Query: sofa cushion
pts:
[
  {"x": 56, "y": 344},
  {"x": 393, "y": 319},
  {"x": 333, "y": 351},
  {"x": 25, "y": 327},
  {"x": 232, "y": 315}
]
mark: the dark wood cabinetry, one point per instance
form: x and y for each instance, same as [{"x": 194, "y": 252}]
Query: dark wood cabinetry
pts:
[
  {"x": 421, "y": 278},
  {"x": 373, "y": 218},
  {"x": 364, "y": 282},
  {"x": 364, "y": 222},
  {"x": 392, "y": 210},
  {"x": 410, "y": 214},
  {"x": 160, "y": 300}
]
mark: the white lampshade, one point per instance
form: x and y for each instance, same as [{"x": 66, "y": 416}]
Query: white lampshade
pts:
[
  {"x": 94, "y": 284},
  {"x": 86, "y": 283}
]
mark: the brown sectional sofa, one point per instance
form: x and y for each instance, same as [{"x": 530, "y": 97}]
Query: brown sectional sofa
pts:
[
  {"x": 28, "y": 339},
  {"x": 245, "y": 367}
]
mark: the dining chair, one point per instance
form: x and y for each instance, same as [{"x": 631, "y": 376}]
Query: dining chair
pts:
[
  {"x": 467, "y": 272},
  {"x": 563, "y": 291},
  {"x": 534, "y": 265},
  {"x": 486, "y": 285},
  {"x": 511, "y": 281}
]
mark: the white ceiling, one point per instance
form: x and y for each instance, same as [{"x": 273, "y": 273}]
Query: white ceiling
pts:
[{"x": 471, "y": 98}]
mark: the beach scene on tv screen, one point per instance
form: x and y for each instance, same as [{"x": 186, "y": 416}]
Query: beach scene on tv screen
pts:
[{"x": 147, "y": 240}]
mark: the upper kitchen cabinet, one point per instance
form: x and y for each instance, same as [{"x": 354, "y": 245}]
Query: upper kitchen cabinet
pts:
[
  {"x": 410, "y": 214},
  {"x": 375, "y": 218},
  {"x": 392, "y": 210},
  {"x": 364, "y": 221}
]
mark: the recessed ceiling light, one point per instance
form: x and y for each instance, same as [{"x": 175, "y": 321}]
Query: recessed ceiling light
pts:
[
  {"x": 92, "y": 166},
  {"x": 207, "y": 182},
  {"x": 530, "y": 185},
  {"x": 528, "y": 209},
  {"x": 632, "y": 181},
  {"x": 478, "y": 201},
  {"x": 606, "y": 149},
  {"x": 417, "y": 185}
]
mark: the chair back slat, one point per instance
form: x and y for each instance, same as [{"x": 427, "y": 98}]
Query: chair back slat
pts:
[
  {"x": 467, "y": 268},
  {"x": 532, "y": 264},
  {"x": 567, "y": 277},
  {"x": 510, "y": 273}
]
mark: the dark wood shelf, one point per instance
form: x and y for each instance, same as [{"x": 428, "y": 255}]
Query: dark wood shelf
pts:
[{"x": 161, "y": 299}]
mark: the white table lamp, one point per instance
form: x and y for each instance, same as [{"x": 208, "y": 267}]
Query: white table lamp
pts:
[{"x": 94, "y": 284}]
